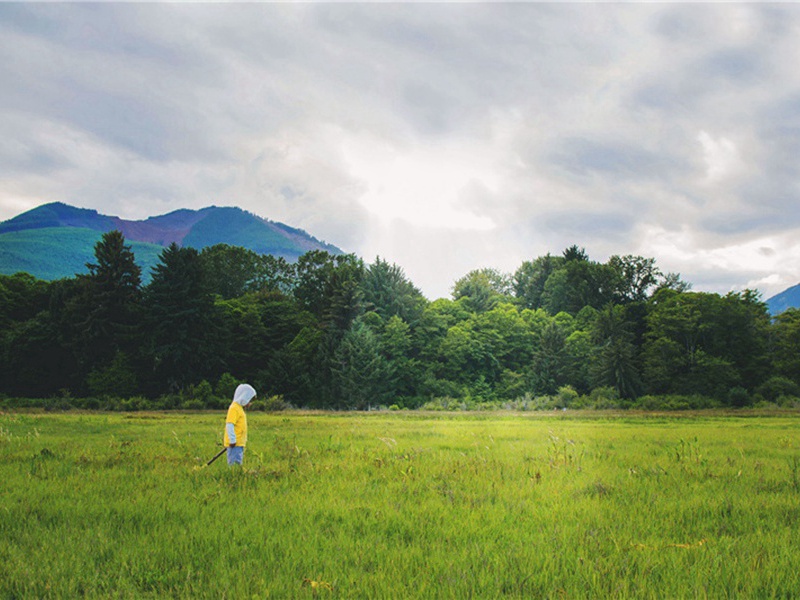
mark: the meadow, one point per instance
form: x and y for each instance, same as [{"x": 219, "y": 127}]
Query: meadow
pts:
[{"x": 401, "y": 505}]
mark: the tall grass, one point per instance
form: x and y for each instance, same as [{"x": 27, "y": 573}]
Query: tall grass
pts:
[{"x": 398, "y": 505}]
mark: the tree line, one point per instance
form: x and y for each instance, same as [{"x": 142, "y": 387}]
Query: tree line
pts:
[{"x": 330, "y": 331}]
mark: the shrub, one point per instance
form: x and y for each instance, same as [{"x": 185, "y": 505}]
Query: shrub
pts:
[
  {"x": 788, "y": 401},
  {"x": 649, "y": 402},
  {"x": 194, "y": 404},
  {"x": 217, "y": 403},
  {"x": 200, "y": 396},
  {"x": 778, "y": 386},
  {"x": 529, "y": 402},
  {"x": 738, "y": 397},
  {"x": 442, "y": 388},
  {"x": 226, "y": 386},
  {"x": 62, "y": 404},
  {"x": 441, "y": 403},
  {"x": 522, "y": 403},
  {"x": 604, "y": 394},
  {"x": 170, "y": 401},
  {"x": 674, "y": 402},
  {"x": 134, "y": 404},
  {"x": 566, "y": 396},
  {"x": 111, "y": 404},
  {"x": 271, "y": 404},
  {"x": 116, "y": 379},
  {"x": 90, "y": 403}
]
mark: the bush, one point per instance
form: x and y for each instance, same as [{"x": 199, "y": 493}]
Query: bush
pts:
[
  {"x": 90, "y": 403},
  {"x": 529, "y": 402},
  {"x": 777, "y": 386},
  {"x": 566, "y": 396},
  {"x": 217, "y": 403},
  {"x": 111, "y": 404},
  {"x": 116, "y": 379},
  {"x": 193, "y": 404},
  {"x": 226, "y": 386},
  {"x": 200, "y": 396},
  {"x": 62, "y": 404},
  {"x": 441, "y": 403},
  {"x": 788, "y": 401},
  {"x": 271, "y": 404},
  {"x": 170, "y": 401},
  {"x": 604, "y": 397},
  {"x": 442, "y": 388},
  {"x": 134, "y": 404},
  {"x": 674, "y": 402},
  {"x": 523, "y": 403},
  {"x": 738, "y": 397}
]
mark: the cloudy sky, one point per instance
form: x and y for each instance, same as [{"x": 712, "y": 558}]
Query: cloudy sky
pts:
[{"x": 441, "y": 137}]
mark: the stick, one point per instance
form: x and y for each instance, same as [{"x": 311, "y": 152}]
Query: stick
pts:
[{"x": 220, "y": 453}]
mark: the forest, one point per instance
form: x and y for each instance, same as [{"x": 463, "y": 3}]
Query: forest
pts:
[{"x": 333, "y": 332}]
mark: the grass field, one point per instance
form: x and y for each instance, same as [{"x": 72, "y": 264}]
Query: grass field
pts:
[{"x": 401, "y": 505}]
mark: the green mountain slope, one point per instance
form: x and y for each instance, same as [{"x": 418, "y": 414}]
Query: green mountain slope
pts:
[
  {"x": 57, "y": 252},
  {"x": 237, "y": 227},
  {"x": 58, "y": 214},
  {"x": 57, "y": 240}
]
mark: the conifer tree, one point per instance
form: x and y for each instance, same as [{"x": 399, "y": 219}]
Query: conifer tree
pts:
[{"x": 180, "y": 321}]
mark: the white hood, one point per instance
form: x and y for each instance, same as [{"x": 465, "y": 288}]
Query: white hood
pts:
[{"x": 244, "y": 393}]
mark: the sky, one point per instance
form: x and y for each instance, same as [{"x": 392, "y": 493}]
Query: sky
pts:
[{"x": 442, "y": 137}]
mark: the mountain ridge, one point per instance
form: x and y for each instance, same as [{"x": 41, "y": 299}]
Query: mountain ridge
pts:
[
  {"x": 51, "y": 240},
  {"x": 788, "y": 298}
]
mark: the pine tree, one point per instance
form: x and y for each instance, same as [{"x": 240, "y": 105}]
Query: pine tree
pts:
[
  {"x": 361, "y": 374},
  {"x": 103, "y": 309},
  {"x": 180, "y": 321}
]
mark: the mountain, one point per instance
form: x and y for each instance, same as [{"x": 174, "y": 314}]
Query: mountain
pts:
[
  {"x": 788, "y": 298},
  {"x": 57, "y": 240}
]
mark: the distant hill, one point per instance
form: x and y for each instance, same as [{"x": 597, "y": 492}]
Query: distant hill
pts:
[
  {"x": 788, "y": 298},
  {"x": 57, "y": 240}
]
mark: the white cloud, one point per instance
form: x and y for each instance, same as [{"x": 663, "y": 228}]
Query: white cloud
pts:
[
  {"x": 427, "y": 185},
  {"x": 769, "y": 264},
  {"x": 721, "y": 156},
  {"x": 444, "y": 137}
]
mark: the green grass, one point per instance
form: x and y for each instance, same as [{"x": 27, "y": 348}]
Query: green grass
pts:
[{"x": 400, "y": 505}]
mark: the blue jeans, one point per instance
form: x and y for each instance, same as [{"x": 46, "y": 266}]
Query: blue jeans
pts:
[{"x": 235, "y": 455}]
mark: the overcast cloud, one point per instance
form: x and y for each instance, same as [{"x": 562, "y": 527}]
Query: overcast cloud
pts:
[{"x": 442, "y": 137}]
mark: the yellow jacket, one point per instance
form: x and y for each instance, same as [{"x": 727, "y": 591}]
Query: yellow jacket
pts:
[
  {"x": 236, "y": 421},
  {"x": 236, "y": 426}
]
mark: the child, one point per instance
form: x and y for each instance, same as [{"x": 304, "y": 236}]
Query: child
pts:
[{"x": 236, "y": 424}]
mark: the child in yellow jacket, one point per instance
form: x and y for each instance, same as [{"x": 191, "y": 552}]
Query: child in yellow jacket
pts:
[{"x": 236, "y": 424}]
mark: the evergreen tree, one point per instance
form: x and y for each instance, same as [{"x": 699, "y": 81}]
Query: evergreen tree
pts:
[
  {"x": 530, "y": 278},
  {"x": 578, "y": 282},
  {"x": 32, "y": 358},
  {"x": 786, "y": 344},
  {"x": 483, "y": 289},
  {"x": 550, "y": 360},
  {"x": 313, "y": 271},
  {"x": 396, "y": 341},
  {"x": 180, "y": 321},
  {"x": 112, "y": 296},
  {"x": 230, "y": 270},
  {"x": 614, "y": 363},
  {"x": 362, "y": 376},
  {"x": 344, "y": 294},
  {"x": 387, "y": 291},
  {"x": 691, "y": 344}
]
